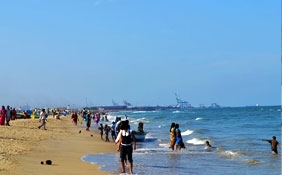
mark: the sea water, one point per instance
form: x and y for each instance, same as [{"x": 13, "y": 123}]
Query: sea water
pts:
[{"x": 235, "y": 134}]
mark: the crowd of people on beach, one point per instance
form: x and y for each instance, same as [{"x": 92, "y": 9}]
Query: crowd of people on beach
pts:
[
  {"x": 104, "y": 129},
  {"x": 120, "y": 131},
  {"x": 7, "y": 114}
]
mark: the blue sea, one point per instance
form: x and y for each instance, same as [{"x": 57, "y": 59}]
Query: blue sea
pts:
[{"x": 235, "y": 134}]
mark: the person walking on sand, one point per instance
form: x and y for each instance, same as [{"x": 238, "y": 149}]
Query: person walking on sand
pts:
[
  {"x": 74, "y": 117},
  {"x": 2, "y": 115},
  {"x": 273, "y": 143},
  {"x": 14, "y": 114},
  {"x": 172, "y": 136},
  {"x": 126, "y": 144},
  {"x": 43, "y": 119},
  {"x": 8, "y": 116}
]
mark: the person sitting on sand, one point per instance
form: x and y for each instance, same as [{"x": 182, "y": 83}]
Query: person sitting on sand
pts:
[{"x": 273, "y": 144}]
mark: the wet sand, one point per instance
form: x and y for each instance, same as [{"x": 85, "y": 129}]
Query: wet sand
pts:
[{"x": 23, "y": 146}]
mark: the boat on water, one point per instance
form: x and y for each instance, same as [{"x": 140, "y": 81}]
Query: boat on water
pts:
[{"x": 140, "y": 134}]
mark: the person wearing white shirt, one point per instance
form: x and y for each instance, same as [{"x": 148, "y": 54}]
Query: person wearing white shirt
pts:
[{"x": 43, "y": 119}]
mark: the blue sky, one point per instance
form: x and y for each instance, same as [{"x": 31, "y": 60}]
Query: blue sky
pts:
[{"x": 55, "y": 53}]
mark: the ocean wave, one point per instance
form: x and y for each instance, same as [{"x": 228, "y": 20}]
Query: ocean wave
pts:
[
  {"x": 175, "y": 112},
  {"x": 229, "y": 154},
  {"x": 164, "y": 145},
  {"x": 252, "y": 161},
  {"x": 196, "y": 141},
  {"x": 137, "y": 112},
  {"x": 186, "y": 133},
  {"x": 160, "y": 126},
  {"x": 198, "y": 118}
]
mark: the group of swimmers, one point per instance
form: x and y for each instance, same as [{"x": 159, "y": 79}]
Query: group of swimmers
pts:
[{"x": 176, "y": 141}]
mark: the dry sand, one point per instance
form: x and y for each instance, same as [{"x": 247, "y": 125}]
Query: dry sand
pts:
[{"x": 24, "y": 146}]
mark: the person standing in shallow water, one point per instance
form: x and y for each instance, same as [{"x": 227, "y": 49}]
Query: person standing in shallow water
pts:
[
  {"x": 172, "y": 136},
  {"x": 126, "y": 144},
  {"x": 273, "y": 143},
  {"x": 179, "y": 141}
]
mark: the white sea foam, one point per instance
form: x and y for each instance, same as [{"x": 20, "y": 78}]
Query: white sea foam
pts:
[
  {"x": 160, "y": 126},
  {"x": 229, "y": 154},
  {"x": 136, "y": 112},
  {"x": 252, "y": 161},
  {"x": 164, "y": 145},
  {"x": 198, "y": 118},
  {"x": 175, "y": 112},
  {"x": 186, "y": 133},
  {"x": 196, "y": 141},
  {"x": 136, "y": 121}
]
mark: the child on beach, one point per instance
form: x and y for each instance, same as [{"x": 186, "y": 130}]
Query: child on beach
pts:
[
  {"x": 88, "y": 123},
  {"x": 113, "y": 131},
  {"x": 107, "y": 129},
  {"x": 101, "y": 128}
]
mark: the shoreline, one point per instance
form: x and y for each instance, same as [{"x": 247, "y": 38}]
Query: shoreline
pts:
[{"x": 24, "y": 146}]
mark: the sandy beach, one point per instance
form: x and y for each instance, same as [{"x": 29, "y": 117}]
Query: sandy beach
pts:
[{"x": 24, "y": 146}]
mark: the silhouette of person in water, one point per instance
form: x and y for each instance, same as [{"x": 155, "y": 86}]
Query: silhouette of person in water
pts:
[
  {"x": 273, "y": 144},
  {"x": 208, "y": 145}
]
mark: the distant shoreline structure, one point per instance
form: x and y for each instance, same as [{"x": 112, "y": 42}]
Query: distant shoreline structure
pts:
[{"x": 181, "y": 105}]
